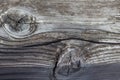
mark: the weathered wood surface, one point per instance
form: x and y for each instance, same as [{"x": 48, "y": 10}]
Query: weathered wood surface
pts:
[{"x": 59, "y": 39}]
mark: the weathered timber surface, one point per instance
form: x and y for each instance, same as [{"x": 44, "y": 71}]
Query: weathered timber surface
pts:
[{"x": 59, "y": 39}]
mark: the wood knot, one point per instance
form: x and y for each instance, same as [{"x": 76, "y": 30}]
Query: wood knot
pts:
[
  {"x": 18, "y": 23},
  {"x": 69, "y": 62}
]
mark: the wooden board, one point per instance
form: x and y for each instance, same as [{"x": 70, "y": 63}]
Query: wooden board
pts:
[{"x": 59, "y": 39}]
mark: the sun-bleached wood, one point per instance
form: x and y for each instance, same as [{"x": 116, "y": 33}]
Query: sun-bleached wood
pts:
[{"x": 59, "y": 39}]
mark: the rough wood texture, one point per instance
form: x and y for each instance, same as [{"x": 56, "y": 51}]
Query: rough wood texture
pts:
[{"x": 59, "y": 39}]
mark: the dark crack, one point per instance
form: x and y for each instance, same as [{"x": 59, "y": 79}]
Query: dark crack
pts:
[{"x": 59, "y": 40}]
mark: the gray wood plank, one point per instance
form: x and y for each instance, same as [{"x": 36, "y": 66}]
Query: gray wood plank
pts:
[{"x": 75, "y": 39}]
